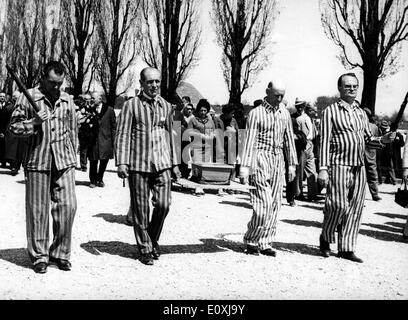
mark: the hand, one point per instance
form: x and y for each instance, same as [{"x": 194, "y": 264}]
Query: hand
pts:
[
  {"x": 176, "y": 173},
  {"x": 123, "y": 171},
  {"x": 291, "y": 173},
  {"x": 388, "y": 137},
  {"x": 323, "y": 178},
  {"x": 40, "y": 117}
]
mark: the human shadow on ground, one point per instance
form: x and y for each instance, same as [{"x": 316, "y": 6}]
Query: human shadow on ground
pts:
[
  {"x": 391, "y": 215},
  {"x": 5, "y": 172},
  {"x": 126, "y": 250},
  {"x": 383, "y": 227},
  {"x": 21, "y": 182},
  {"x": 384, "y": 236},
  {"x": 245, "y": 205},
  {"x": 396, "y": 224},
  {"x": 82, "y": 183},
  {"x": 309, "y": 206},
  {"x": 387, "y": 192},
  {"x": 17, "y": 256},
  {"x": 111, "y": 218},
  {"x": 304, "y": 223}
]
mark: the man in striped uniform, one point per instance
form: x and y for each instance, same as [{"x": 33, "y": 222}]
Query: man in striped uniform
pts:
[
  {"x": 344, "y": 134},
  {"x": 50, "y": 168},
  {"x": 144, "y": 154},
  {"x": 269, "y": 135}
]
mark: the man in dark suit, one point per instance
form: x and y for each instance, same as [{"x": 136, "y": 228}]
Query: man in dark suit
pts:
[{"x": 145, "y": 155}]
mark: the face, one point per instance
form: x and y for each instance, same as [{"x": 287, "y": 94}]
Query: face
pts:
[
  {"x": 229, "y": 115},
  {"x": 95, "y": 99},
  {"x": 275, "y": 95},
  {"x": 348, "y": 88},
  {"x": 188, "y": 110},
  {"x": 52, "y": 84},
  {"x": 151, "y": 82},
  {"x": 202, "y": 112},
  {"x": 2, "y": 98}
]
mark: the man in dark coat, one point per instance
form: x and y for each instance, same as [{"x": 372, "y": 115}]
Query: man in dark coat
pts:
[
  {"x": 101, "y": 149},
  {"x": 4, "y": 120}
]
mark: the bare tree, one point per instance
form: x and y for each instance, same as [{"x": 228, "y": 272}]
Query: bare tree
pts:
[
  {"x": 243, "y": 28},
  {"x": 172, "y": 37},
  {"x": 76, "y": 41},
  {"x": 115, "y": 44},
  {"x": 369, "y": 35}
]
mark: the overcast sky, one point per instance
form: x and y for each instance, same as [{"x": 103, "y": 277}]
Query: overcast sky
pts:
[{"x": 300, "y": 53}]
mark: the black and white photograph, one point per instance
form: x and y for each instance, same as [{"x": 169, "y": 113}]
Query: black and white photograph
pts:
[{"x": 203, "y": 153}]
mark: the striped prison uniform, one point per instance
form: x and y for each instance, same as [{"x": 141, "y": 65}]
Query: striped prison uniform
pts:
[
  {"x": 269, "y": 135},
  {"x": 144, "y": 142},
  {"x": 344, "y": 134},
  {"x": 49, "y": 163}
]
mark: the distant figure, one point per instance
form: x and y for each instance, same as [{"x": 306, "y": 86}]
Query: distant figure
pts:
[
  {"x": 269, "y": 136},
  {"x": 88, "y": 122},
  {"x": 4, "y": 120},
  {"x": 370, "y": 159},
  {"x": 102, "y": 145},
  {"x": 405, "y": 178},
  {"x": 49, "y": 164}
]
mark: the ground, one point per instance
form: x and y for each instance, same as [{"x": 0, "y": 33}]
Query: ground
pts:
[{"x": 202, "y": 251}]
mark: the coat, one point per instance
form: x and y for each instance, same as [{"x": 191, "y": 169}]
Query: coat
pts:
[{"x": 102, "y": 141}]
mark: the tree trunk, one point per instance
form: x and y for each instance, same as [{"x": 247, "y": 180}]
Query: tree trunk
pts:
[
  {"x": 369, "y": 95},
  {"x": 235, "y": 92}
]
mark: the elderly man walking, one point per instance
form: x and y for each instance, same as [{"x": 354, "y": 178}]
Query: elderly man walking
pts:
[
  {"x": 49, "y": 164},
  {"x": 344, "y": 134},
  {"x": 144, "y": 155},
  {"x": 269, "y": 136}
]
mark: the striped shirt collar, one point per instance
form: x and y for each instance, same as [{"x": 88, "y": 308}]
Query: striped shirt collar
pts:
[
  {"x": 38, "y": 95},
  {"x": 270, "y": 107},
  {"x": 150, "y": 99},
  {"x": 348, "y": 106}
]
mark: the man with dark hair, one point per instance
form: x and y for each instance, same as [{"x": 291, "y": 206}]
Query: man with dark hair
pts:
[
  {"x": 49, "y": 164},
  {"x": 145, "y": 155},
  {"x": 344, "y": 134}
]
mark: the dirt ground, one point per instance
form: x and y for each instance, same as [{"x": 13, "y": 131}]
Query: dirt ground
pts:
[{"x": 202, "y": 251}]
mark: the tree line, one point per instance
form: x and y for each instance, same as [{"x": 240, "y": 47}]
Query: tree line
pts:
[{"x": 100, "y": 40}]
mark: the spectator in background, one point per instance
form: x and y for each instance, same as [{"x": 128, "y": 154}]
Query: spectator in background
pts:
[
  {"x": 370, "y": 159},
  {"x": 187, "y": 113},
  {"x": 405, "y": 178},
  {"x": 88, "y": 121},
  {"x": 186, "y": 100},
  {"x": 15, "y": 147},
  {"x": 103, "y": 137},
  {"x": 203, "y": 134},
  {"x": 4, "y": 120},
  {"x": 240, "y": 115}
]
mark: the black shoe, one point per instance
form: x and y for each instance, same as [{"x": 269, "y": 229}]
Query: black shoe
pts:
[
  {"x": 349, "y": 255},
  {"x": 84, "y": 169},
  {"x": 156, "y": 253},
  {"x": 324, "y": 247},
  {"x": 129, "y": 222},
  {"x": 14, "y": 171},
  {"x": 377, "y": 198},
  {"x": 40, "y": 267},
  {"x": 268, "y": 252},
  {"x": 292, "y": 203},
  {"x": 100, "y": 184},
  {"x": 300, "y": 197},
  {"x": 62, "y": 264},
  {"x": 146, "y": 258},
  {"x": 252, "y": 250}
]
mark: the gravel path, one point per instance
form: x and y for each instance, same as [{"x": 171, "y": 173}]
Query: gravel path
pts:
[{"x": 202, "y": 251}]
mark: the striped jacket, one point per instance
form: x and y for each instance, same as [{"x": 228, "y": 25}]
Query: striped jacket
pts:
[
  {"x": 144, "y": 139},
  {"x": 344, "y": 133},
  {"x": 269, "y": 129},
  {"x": 55, "y": 140}
]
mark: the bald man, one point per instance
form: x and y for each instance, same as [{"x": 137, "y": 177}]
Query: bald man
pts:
[
  {"x": 269, "y": 136},
  {"x": 144, "y": 155}
]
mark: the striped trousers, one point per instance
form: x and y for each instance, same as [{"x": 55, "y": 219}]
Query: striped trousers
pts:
[
  {"x": 141, "y": 186},
  {"x": 344, "y": 205},
  {"x": 266, "y": 199},
  {"x": 45, "y": 189}
]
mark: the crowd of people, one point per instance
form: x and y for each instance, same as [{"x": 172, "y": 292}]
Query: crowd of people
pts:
[{"x": 341, "y": 151}]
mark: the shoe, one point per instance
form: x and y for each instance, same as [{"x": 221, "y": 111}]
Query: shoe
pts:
[
  {"x": 252, "y": 250},
  {"x": 147, "y": 259},
  {"x": 324, "y": 247},
  {"x": 100, "y": 184},
  {"x": 40, "y": 267},
  {"x": 129, "y": 222},
  {"x": 349, "y": 255},
  {"x": 292, "y": 203},
  {"x": 92, "y": 185},
  {"x": 221, "y": 193},
  {"x": 301, "y": 198},
  {"x": 62, "y": 264},
  {"x": 84, "y": 169},
  {"x": 377, "y": 198},
  {"x": 268, "y": 252},
  {"x": 14, "y": 172},
  {"x": 156, "y": 253}
]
